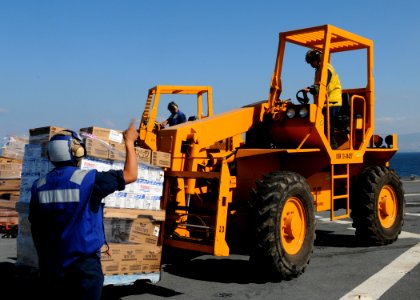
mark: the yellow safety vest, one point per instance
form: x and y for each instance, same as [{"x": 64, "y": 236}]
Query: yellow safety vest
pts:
[{"x": 334, "y": 88}]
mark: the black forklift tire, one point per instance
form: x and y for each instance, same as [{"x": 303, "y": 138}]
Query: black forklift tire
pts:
[
  {"x": 285, "y": 226},
  {"x": 378, "y": 206}
]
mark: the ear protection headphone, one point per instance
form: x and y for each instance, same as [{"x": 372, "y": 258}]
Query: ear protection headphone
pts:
[
  {"x": 66, "y": 148},
  {"x": 77, "y": 147}
]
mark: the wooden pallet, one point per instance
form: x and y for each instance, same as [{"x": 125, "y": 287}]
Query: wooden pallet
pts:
[{"x": 11, "y": 195}]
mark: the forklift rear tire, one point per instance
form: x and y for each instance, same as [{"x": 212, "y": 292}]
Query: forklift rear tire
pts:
[
  {"x": 378, "y": 206},
  {"x": 285, "y": 225}
]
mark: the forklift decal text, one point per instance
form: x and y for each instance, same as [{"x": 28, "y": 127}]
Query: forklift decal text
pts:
[{"x": 344, "y": 155}]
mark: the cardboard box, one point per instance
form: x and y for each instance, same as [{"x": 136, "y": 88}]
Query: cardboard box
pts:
[
  {"x": 10, "y": 174},
  {"x": 13, "y": 147},
  {"x": 10, "y": 166},
  {"x": 130, "y": 259},
  {"x": 145, "y": 231},
  {"x": 161, "y": 159},
  {"x": 117, "y": 230},
  {"x": 142, "y": 230},
  {"x": 104, "y": 143},
  {"x": 118, "y": 147},
  {"x": 10, "y": 170},
  {"x": 100, "y": 149},
  {"x": 96, "y": 148},
  {"x": 119, "y": 153},
  {"x": 143, "y": 155},
  {"x": 43, "y": 134},
  {"x": 4, "y": 159},
  {"x": 104, "y": 134},
  {"x": 9, "y": 220},
  {"x": 9, "y": 184},
  {"x": 113, "y": 141},
  {"x": 151, "y": 259}
]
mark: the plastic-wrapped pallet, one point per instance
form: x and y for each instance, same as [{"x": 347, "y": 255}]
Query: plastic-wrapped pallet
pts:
[
  {"x": 144, "y": 193},
  {"x": 14, "y": 147},
  {"x": 10, "y": 169},
  {"x": 34, "y": 165}
]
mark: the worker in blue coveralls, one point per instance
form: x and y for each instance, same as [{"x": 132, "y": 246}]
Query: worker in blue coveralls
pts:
[
  {"x": 66, "y": 215},
  {"x": 176, "y": 117}
]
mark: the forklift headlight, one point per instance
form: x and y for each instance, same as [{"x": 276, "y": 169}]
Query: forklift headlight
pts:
[
  {"x": 290, "y": 113},
  {"x": 303, "y": 112}
]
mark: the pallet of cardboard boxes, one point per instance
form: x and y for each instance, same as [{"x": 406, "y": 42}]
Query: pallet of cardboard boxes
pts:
[
  {"x": 11, "y": 155},
  {"x": 132, "y": 217}
]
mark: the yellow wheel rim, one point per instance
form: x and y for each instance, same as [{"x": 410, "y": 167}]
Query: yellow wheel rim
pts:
[
  {"x": 387, "y": 206},
  {"x": 293, "y": 225}
]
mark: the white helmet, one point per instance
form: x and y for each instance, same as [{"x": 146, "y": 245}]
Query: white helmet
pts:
[{"x": 66, "y": 148}]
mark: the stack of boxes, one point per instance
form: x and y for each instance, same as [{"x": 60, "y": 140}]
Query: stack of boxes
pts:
[
  {"x": 35, "y": 164},
  {"x": 132, "y": 217},
  {"x": 103, "y": 143},
  {"x": 11, "y": 167},
  {"x": 10, "y": 178},
  {"x": 108, "y": 144},
  {"x": 133, "y": 244}
]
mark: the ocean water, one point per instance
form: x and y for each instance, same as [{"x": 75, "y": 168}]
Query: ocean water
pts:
[{"x": 407, "y": 164}]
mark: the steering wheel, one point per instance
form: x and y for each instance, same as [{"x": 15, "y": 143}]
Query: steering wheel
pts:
[
  {"x": 304, "y": 99},
  {"x": 157, "y": 126}
]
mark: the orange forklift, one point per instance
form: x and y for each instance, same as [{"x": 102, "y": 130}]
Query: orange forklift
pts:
[{"x": 252, "y": 179}]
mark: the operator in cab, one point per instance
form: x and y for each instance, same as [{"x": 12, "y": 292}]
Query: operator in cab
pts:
[
  {"x": 334, "y": 94},
  {"x": 176, "y": 117},
  {"x": 313, "y": 57}
]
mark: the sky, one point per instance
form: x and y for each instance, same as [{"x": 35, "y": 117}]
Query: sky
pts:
[{"x": 77, "y": 64}]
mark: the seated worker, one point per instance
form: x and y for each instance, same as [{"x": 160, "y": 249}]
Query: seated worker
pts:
[
  {"x": 176, "y": 117},
  {"x": 313, "y": 57}
]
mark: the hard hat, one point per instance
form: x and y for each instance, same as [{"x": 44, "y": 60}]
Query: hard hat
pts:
[
  {"x": 313, "y": 55},
  {"x": 66, "y": 148}
]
